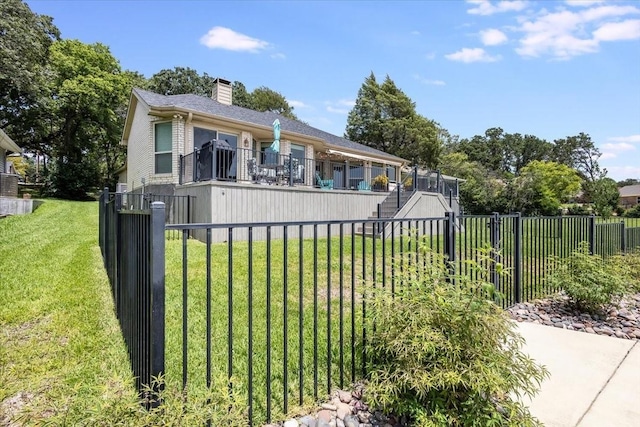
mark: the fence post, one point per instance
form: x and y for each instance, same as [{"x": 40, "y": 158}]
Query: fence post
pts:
[
  {"x": 379, "y": 215},
  {"x": 194, "y": 165},
  {"x": 214, "y": 160},
  {"x": 157, "y": 296},
  {"x": 181, "y": 170},
  {"x": 438, "y": 182},
  {"x": 450, "y": 240},
  {"x": 623, "y": 237},
  {"x": 415, "y": 178},
  {"x": 592, "y": 234},
  {"x": 494, "y": 236},
  {"x": 517, "y": 257},
  {"x": 290, "y": 169}
]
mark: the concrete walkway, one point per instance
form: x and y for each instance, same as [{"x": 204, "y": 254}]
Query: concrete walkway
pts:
[{"x": 595, "y": 380}]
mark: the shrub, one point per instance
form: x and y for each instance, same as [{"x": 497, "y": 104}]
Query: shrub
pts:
[
  {"x": 633, "y": 212},
  {"x": 578, "y": 210},
  {"x": 381, "y": 179},
  {"x": 589, "y": 282},
  {"x": 629, "y": 266},
  {"x": 445, "y": 354}
]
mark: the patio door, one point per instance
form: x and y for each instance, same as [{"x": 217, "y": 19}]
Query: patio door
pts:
[{"x": 338, "y": 175}]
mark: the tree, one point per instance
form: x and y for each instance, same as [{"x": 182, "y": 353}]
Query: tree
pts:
[
  {"x": 384, "y": 118},
  {"x": 542, "y": 187},
  {"x": 25, "y": 38},
  {"x": 628, "y": 181},
  {"x": 505, "y": 153},
  {"x": 580, "y": 153},
  {"x": 87, "y": 97},
  {"x": 181, "y": 80},
  {"x": 265, "y": 99},
  {"x": 481, "y": 191},
  {"x": 240, "y": 96},
  {"x": 604, "y": 196}
]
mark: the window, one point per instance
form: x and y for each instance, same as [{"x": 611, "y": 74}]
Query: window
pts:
[
  {"x": 163, "y": 147},
  {"x": 267, "y": 155},
  {"x": 201, "y": 135},
  {"x": 391, "y": 173},
  {"x": 297, "y": 152}
]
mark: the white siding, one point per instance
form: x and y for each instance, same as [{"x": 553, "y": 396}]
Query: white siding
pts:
[{"x": 140, "y": 161}]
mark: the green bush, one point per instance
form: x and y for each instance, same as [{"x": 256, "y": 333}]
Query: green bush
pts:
[
  {"x": 629, "y": 266},
  {"x": 633, "y": 212},
  {"x": 578, "y": 210},
  {"x": 589, "y": 281},
  {"x": 444, "y": 354}
]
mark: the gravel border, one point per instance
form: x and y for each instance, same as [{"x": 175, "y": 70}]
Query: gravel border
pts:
[{"x": 622, "y": 321}]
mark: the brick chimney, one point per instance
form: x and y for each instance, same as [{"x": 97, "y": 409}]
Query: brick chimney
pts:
[{"x": 222, "y": 91}]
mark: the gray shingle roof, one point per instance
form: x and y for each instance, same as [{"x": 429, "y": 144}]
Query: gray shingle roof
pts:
[
  {"x": 210, "y": 106},
  {"x": 630, "y": 190}
]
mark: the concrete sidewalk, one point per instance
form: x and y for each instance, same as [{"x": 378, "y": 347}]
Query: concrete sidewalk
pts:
[{"x": 595, "y": 380}]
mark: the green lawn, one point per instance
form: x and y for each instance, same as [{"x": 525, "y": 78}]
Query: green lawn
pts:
[
  {"x": 63, "y": 360},
  {"x": 62, "y": 357}
]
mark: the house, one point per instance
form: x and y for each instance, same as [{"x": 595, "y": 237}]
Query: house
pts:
[
  {"x": 8, "y": 177},
  {"x": 629, "y": 196},
  {"x": 224, "y": 156},
  {"x": 9, "y": 203}
]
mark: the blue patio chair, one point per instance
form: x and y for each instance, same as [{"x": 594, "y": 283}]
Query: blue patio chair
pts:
[
  {"x": 364, "y": 186},
  {"x": 324, "y": 184}
]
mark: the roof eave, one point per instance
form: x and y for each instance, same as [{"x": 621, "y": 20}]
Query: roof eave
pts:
[{"x": 8, "y": 144}]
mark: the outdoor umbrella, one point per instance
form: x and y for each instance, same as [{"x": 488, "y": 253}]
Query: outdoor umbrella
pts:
[{"x": 276, "y": 136}]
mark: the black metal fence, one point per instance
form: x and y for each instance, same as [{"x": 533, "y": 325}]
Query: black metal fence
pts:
[
  {"x": 283, "y": 319},
  {"x": 133, "y": 249}
]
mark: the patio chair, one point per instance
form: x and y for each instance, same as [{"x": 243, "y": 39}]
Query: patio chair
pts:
[
  {"x": 364, "y": 186},
  {"x": 324, "y": 184},
  {"x": 297, "y": 170}
]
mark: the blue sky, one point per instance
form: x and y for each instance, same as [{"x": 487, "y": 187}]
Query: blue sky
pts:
[{"x": 547, "y": 68}]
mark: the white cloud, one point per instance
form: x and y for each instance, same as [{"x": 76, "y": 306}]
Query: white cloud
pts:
[
  {"x": 620, "y": 146},
  {"x": 279, "y": 55},
  {"x": 622, "y": 172},
  {"x": 628, "y": 139},
  {"x": 485, "y": 7},
  {"x": 337, "y": 110},
  {"x": 492, "y": 37},
  {"x": 227, "y": 39},
  {"x": 297, "y": 104},
  {"x": 468, "y": 55},
  {"x": 430, "y": 56},
  {"x": 425, "y": 81},
  {"x": 608, "y": 155},
  {"x": 341, "y": 106},
  {"x": 415, "y": 33},
  {"x": 625, "y": 30},
  {"x": 565, "y": 33},
  {"x": 583, "y": 3}
]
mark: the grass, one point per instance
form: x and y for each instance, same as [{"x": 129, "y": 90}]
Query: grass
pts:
[
  {"x": 62, "y": 357},
  {"x": 61, "y": 353}
]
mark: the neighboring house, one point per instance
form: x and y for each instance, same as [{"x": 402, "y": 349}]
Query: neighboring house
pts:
[
  {"x": 8, "y": 177},
  {"x": 629, "y": 196},
  {"x": 222, "y": 154}
]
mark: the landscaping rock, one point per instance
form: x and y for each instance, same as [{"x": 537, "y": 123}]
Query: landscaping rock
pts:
[{"x": 622, "y": 322}]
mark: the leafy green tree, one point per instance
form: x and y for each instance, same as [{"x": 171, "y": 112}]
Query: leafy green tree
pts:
[
  {"x": 240, "y": 96},
  {"x": 542, "y": 187},
  {"x": 181, "y": 80},
  {"x": 25, "y": 38},
  {"x": 481, "y": 191},
  {"x": 88, "y": 93},
  {"x": 505, "y": 153},
  {"x": 580, "y": 153},
  {"x": 385, "y": 118},
  {"x": 628, "y": 181},
  {"x": 604, "y": 196},
  {"x": 265, "y": 99}
]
